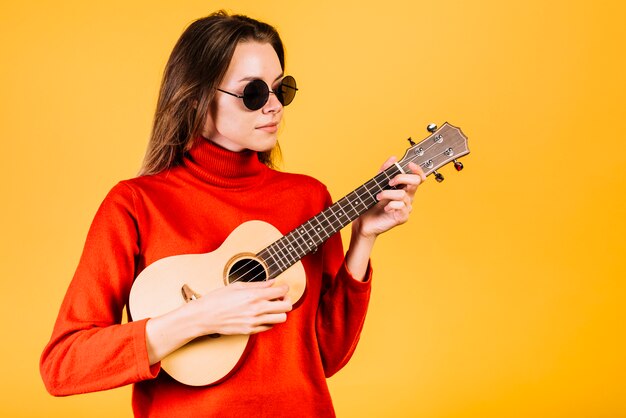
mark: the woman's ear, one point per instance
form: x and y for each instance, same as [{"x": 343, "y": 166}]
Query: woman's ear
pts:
[{"x": 208, "y": 123}]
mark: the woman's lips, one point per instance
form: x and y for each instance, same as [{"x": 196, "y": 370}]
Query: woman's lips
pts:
[{"x": 270, "y": 127}]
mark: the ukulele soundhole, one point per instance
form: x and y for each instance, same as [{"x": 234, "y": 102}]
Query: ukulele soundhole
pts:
[{"x": 247, "y": 270}]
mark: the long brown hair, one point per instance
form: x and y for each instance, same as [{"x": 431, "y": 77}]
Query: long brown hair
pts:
[{"x": 195, "y": 68}]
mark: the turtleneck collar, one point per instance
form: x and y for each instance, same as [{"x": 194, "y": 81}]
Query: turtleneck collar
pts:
[{"x": 223, "y": 168}]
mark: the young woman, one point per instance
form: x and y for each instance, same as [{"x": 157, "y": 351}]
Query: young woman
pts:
[{"x": 208, "y": 169}]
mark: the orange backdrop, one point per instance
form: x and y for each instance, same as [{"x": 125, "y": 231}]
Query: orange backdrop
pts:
[{"x": 502, "y": 297}]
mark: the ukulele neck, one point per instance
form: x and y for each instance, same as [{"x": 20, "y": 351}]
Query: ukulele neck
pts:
[{"x": 306, "y": 238}]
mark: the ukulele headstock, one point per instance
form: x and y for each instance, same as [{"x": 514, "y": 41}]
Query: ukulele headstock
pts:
[{"x": 442, "y": 146}]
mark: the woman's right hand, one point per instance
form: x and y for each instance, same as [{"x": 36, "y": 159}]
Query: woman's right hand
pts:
[
  {"x": 242, "y": 308},
  {"x": 239, "y": 308}
]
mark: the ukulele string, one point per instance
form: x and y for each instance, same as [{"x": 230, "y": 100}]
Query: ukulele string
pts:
[
  {"x": 270, "y": 260},
  {"x": 425, "y": 163},
  {"x": 424, "y": 151},
  {"x": 300, "y": 249}
]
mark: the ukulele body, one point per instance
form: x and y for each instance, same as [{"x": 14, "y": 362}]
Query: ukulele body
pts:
[{"x": 159, "y": 289}]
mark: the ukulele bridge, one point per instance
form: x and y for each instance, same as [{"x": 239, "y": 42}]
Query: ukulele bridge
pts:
[{"x": 188, "y": 293}]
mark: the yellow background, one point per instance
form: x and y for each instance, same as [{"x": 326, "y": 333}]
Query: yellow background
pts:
[{"x": 504, "y": 294}]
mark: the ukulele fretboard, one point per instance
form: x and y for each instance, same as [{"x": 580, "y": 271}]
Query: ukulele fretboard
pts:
[{"x": 288, "y": 250}]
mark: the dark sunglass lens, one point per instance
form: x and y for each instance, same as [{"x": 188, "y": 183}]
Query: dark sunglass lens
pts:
[
  {"x": 255, "y": 94},
  {"x": 287, "y": 90}
]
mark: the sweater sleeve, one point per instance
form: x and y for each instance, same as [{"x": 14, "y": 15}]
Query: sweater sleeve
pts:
[
  {"x": 90, "y": 350},
  {"x": 342, "y": 308}
]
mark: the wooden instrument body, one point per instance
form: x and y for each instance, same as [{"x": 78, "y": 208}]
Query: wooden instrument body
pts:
[{"x": 157, "y": 291}]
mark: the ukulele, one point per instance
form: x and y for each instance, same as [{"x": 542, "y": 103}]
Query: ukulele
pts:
[{"x": 257, "y": 251}]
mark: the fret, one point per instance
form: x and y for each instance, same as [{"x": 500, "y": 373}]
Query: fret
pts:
[
  {"x": 361, "y": 192},
  {"x": 304, "y": 239},
  {"x": 313, "y": 230},
  {"x": 269, "y": 260},
  {"x": 351, "y": 199},
  {"x": 331, "y": 212},
  {"x": 286, "y": 253},
  {"x": 341, "y": 215},
  {"x": 323, "y": 223},
  {"x": 375, "y": 187},
  {"x": 318, "y": 229},
  {"x": 279, "y": 264},
  {"x": 289, "y": 247},
  {"x": 291, "y": 241},
  {"x": 326, "y": 224},
  {"x": 327, "y": 215}
]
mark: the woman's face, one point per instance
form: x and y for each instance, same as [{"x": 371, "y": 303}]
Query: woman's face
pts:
[{"x": 229, "y": 123}]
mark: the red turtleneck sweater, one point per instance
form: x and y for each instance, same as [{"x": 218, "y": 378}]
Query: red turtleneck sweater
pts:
[{"x": 191, "y": 209}]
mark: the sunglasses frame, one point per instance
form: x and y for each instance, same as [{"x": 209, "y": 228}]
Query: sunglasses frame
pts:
[{"x": 278, "y": 92}]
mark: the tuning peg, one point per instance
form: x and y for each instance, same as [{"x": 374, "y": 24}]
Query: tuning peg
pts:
[
  {"x": 431, "y": 127},
  {"x": 458, "y": 165},
  {"x": 411, "y": 141},
  {"x": 438, "y": 177}
]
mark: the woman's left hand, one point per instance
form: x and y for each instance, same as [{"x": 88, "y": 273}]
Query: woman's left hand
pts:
[{"x": 394, "y": 205}]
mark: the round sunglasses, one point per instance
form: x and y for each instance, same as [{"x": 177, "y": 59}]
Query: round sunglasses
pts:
[{"x": 257, "y": 93}]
